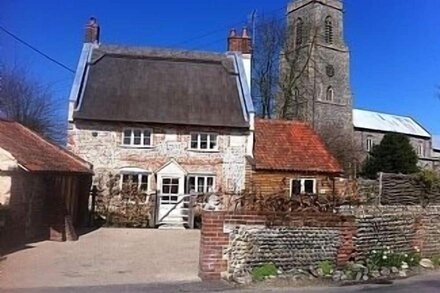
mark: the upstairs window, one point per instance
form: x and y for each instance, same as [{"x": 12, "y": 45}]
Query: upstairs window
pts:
[
  {"x": 330, "y": 94},
  {"x": 136, "y": 137},
  {"x": 200, "y": 183},
  {"x": 204, "y": 141},
  {"x": 302, "y": 186},
  {"x": 329, "y": 30},
  {"x": 299, "y": 32}
]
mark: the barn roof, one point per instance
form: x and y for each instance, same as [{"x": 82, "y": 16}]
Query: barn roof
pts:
[
  {"x": 148, "y": 85},
  {"x": 35, "y": 153},
  {"x": 370, "y": 120},
  {"x": 291, "y": 146}
]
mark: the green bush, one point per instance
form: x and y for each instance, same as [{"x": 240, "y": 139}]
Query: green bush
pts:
[
  {"x": 436, "y": 261},
  {"x": 326, "y": 267},
  {"x": 266, "y": 270},
  {"x": 388, "y": 258}
]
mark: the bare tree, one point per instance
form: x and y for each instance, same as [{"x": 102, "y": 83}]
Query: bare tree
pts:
[
  {"x": 270, "y": 38},
  {"x": 344, "y": 147},
  {"x": 28, "y": 102},
  {"x": 280, "y": 62}
]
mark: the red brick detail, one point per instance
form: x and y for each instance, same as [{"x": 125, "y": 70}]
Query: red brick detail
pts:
[{"x": 346, "y": 249}]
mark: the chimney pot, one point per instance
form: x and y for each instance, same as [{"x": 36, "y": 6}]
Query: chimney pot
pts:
[
  {"x": 233, "y": 33},
  {"x": 245, "y": 33},
  {"x": 92, "y": 31}
]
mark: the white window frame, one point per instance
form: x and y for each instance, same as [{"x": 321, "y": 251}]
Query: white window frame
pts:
[
  {"x": 139, "y": 174},
  {"x": 330, "y": 94},
  {"x": 205, "y": 176},
  {"x": 142, "y": 130},
  {"x": 420, "y": 149},
  {"x": 302, "y": 180},
  {"x": 215, "y": 149},
  {"x": 369, "y": 144}
]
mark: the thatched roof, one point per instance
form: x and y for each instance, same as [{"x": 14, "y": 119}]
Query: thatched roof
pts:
[{"x": 162, "y": 86}]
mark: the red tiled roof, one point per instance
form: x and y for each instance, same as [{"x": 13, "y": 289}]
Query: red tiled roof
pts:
[
  {"x": 291, "y": 146},
  {"x": 37, "y": 154}
]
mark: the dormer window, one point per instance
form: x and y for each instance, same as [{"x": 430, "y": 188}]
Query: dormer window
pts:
[
  {"x": 204, "y": 141},
  {"x": 329, "y": 30},
  {"x": 137, "y": 137}
]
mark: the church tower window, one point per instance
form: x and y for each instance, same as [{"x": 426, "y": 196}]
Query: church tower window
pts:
[
  {"x": 299, "y": 31},
  {"x": 330, "y": 94},
  {"x": 329, "y": 30}
]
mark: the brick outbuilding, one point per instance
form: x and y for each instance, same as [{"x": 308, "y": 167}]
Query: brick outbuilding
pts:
[
  {"x": 290, "y": 157},
  {"x": 43, "y": 188}
]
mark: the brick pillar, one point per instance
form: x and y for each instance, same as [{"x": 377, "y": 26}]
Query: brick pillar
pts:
[
  {"x": 212, "y": 243},
  {"x": 419, "y": 240},
  {"x": 346, "y": 249}
]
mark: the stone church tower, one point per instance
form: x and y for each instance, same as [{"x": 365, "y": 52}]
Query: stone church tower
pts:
[{"x": 315, "y": 66}]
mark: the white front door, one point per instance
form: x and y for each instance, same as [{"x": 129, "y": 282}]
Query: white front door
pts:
[{"x": 171, "y": 185}]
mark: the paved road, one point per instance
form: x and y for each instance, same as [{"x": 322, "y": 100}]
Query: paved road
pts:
[
  {"x": 421, "y": 284},
  {"x": 105, "y": 257}
]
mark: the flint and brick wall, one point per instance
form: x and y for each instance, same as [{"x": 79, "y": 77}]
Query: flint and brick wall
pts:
[
  {"x": 233, "y": 243},
  {"x": 226, "y": 238}
]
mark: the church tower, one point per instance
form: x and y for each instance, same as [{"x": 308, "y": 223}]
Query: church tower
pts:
[{"x": 315, "y": 67}]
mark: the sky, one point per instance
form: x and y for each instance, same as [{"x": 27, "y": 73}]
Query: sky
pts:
[{"x": 394, "y": 44}]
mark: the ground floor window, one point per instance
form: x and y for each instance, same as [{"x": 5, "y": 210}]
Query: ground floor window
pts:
[
  {"x": 136, "y": 179},
  {"x": 200, "y": 183},
  {"x": 302, "y": 186}
]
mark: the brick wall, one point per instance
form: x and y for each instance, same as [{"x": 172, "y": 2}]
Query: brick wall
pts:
[
  {"x": 235, "y": 242},
  {"x": 219, "y": 227}
]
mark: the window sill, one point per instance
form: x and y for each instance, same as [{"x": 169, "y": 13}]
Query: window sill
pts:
[
  {"x": 136, "y": 146},
  {"x": 203, "y": 151}
]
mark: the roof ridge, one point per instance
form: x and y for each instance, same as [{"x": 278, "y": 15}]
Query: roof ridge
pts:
[{"x": 55, "y": 146}]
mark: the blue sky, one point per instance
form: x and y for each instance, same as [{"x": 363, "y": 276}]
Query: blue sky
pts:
[{"x": 395, "y": 44}]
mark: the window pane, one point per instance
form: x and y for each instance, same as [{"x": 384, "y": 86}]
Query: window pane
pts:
[
  {"x": 194, "y": 137},
  {"x": 137, "y": 137},
  {"x": 125, "y": 178},
  {"x": 174, "y": 198},
  {"x": 147, "y": 137},
  {"x": 165, "y": 189},
  {"x": 175, "y": 181},
  {"x": 127, "y": 136},
  {"x": 296, "y": 187},
  {"x": 201, "y": 184},
  {"x": 166, "y": 181},
  {"x": 203, "y": 141},
  {"x": 191, "y": 184},
  {"x": 309, "y": 186},
  {"x": 210, "y": 184},
  {"x": 144, "y": 182},
  {"x": 212, "y": 141},
  {"x": 174, "y": 189}
]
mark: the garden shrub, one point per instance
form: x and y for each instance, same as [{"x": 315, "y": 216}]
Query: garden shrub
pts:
[{"x": 266, "y": 270}]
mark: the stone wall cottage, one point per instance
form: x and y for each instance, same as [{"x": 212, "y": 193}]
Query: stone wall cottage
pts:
[
  {"x": 289, "y": 157},
  {"x": 44, "y": 187},
  {"x": 172, "y": 121}
]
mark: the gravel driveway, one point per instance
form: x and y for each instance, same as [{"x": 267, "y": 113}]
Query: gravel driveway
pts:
[{"x": 106, "y": 257}]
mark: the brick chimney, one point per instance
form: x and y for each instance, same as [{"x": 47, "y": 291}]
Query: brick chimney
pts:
[
  {"x": 92, "y": 31},
  {"x": 240, "y": 43}
]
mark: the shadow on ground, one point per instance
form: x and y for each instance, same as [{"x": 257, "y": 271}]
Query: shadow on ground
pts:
[{"x": 150, "y": 288}]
